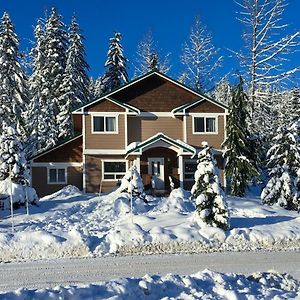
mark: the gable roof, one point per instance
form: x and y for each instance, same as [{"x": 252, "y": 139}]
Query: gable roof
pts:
[
  {"x": 183, "y": 108},
  {"x": 109, "y": 95},
  {"x": 136, "y": 147}
]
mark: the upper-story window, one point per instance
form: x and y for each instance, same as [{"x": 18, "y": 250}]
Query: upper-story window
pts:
[
  {"x": 205, "y": 124},
  {"x": 104, "y": 124}
]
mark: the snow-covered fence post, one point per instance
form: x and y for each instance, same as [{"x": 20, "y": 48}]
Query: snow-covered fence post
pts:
[
  {"x": 11, "y": 200},
  {"x": 27, "y": 204}
]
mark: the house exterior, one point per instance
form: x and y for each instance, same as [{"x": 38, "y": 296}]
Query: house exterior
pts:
[{"x": 153, "y": 122}]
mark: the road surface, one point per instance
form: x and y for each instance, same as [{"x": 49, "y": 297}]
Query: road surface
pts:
[{"x": 50, "y": 273}]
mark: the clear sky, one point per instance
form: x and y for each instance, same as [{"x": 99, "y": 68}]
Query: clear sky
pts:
[{"x": 169, "y": 21}]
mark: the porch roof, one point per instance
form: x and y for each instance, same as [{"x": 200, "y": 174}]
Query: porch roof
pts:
[{"x": 137, "y": 147}]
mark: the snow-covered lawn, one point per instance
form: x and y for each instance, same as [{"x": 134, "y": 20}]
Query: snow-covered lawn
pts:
[
  {"x": 69, "y": 223},
  {"x": 202, "y": 285}
]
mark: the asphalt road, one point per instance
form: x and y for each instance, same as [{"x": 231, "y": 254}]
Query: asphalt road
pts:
[{"x": 50, "y": 273}]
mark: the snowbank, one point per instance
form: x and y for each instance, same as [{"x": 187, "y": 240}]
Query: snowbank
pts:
[
  {"x": 69, "y": 223},
  {"x": 19, "y": 193},
  {"x": 202, "y": 285}
]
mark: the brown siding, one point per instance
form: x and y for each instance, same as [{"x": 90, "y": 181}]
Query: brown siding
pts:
[
  {"x": 77, "y": 123},
  {"x": 105, "y": 141},
  {"x": 94, "y": 174},
  {"x": 104, "y": 106},
  {"x": 155, "y": 94},
  {"x": 214, "y": 140},
  {"x": 206, "y": 107},
  {"x": 70, "y": 152},
  {"x": 140, "y": 129},
  {"x": 39, "y": 180}
]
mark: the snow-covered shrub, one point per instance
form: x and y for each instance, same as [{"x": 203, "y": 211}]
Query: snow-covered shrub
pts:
[
  {"x": 283, "y": 161},
  {"x": 20, "y": 193},
  {"x": 207, "y": 193},
  {"x": 132, "y": 183}
]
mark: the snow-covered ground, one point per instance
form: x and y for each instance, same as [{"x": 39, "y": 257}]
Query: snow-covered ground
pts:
[
  {"x": 202, "y": 285},
  {"x": 71, "y": 224}
]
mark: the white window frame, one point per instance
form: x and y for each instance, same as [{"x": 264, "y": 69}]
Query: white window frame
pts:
[
  {"x": 113, "y": 160},
  {"x": 56, "y": 168},
  {"x": 205, "y": 117},
  {"x": 188, "y": 161},
  {"x": 104, "y": 115}
]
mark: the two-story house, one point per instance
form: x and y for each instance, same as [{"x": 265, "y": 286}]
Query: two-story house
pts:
[{"x": 154, "y": 122}]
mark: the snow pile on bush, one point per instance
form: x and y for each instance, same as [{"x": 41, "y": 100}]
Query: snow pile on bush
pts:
[
  {"x": 202, "y": 285},
  {"x": 20, "y": 193},
  {"x": 66, "y": 191}
]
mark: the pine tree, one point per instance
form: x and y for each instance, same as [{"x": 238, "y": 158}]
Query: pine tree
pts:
[
  {"x": 149, "y": 58},
  {"x": 241, "y": 159},
  {"x": 12, "y": 156},
  {"x": 222, "y": 91},
  {"x": 207, "y": 193},
  {"x": 13, "y": 87},
  {"x": 283, "y": 161},
  {"x": 115, "y": 65},
  {"x": 132, "y": 183},
  {"x": 74, "y": 90}
]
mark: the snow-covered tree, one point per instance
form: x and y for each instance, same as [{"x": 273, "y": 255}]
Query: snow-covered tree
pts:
[
  {"x": 12, "y": 156},
  {"x": 50, "y": 51},
  {"x": 266, "y": 56},
  {"x": 74, "y": 90},
  {"x": 199, "y": 58},
  {"x": 132, "y": 183},
  {"x": 116, "y": 73},
  {"x": 241, "y": 159},
  {"x": 283, "y": 161},
  {"x": 13, "y": 81},
  {"x": 222, "y": 91},
  {"x": 97, "y": 87},
  {"x": 148, "y": 57},
  {"x": 207, "y": 193}
]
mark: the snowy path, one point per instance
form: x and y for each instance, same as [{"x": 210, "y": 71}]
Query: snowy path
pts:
[{"x": 42, "y": 274}]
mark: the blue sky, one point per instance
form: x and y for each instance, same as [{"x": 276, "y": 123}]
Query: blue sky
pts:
[{"x": 169, "y": 21}]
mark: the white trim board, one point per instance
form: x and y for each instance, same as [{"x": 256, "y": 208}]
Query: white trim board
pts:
[
  {"x": 56, "y": 164},
  {"x": 104, "y": 152}
]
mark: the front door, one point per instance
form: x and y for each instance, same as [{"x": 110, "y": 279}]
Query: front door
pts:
[{"x": 156, "y": 170}]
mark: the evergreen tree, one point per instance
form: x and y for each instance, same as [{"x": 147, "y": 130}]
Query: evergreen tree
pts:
[
  {"x": 241, "y": 159},
  {"x": 75, "y": 86},
  {"x": 12, "y": 156},
  {"x": 207, "y": 193},
  {"x": 115, "y": 65},
  {"x": 132, "y": 183},
  {"x": 13, "y": 87},
  {"x": 55, "y": 46},
  {"x": 283, "y": 161},
  {"x": 222, "y": 91}
]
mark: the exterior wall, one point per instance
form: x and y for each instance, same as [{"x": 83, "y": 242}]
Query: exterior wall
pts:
[
  {"x": 77, "y": 123},
  {"x": 140, "y": 129},
  {"x": 105, "y": 140},
  {"x": 39, "y": 180},
  {"x": 155, "y": 94},
  {"x": 206, "y": 107},
  {"x": 214, "y": 140},
  {"x": 104, "y": 106},
  {"x": 70, "y": 152},
  {"x": 94, "y": 173}
]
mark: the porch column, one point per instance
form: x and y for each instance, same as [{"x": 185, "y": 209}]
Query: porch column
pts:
[
  {"x": 180, "y": 170},
  {"x": 138, "y": 163}
]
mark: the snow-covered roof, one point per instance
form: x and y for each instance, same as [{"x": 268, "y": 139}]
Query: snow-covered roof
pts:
[{"x": 137, "y": 147}]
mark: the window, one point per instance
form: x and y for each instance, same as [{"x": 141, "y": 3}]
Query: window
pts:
[
  {"x": 114, "y": 170},
  {"x": 205, "y": 124},
  {"x": 57, "y": 175},
  {"x": 104, "y": 124},
  {"x": 190, "y": 167}
]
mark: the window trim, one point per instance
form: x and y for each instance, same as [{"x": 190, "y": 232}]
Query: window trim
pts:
[
  {"x": 104, "y": 115},
  {"x": 56, "y": 168},
  {"x": 113, "y": 160},
  {"x": 205, "y": 116},
  {"x": 188, "y": 161}
]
